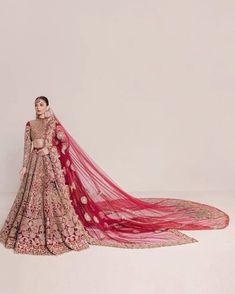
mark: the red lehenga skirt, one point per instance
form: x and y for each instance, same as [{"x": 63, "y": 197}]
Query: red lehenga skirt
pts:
[
  {"x": 66, "y": 202},
  {"x": 42, "y": 220}
]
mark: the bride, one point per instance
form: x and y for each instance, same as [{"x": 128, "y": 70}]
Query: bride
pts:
[{"x": 67, "y": 202}]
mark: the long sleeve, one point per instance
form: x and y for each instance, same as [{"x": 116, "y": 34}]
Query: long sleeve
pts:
[{"x": 27, "y": 144}]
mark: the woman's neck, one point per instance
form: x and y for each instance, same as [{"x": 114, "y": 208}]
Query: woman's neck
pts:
[{"x": 41, "y": 117}]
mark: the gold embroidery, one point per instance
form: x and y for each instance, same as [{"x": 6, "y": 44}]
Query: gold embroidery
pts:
[
  {"x": 87, "y": 216},
  {"x": 42, "y": 220},
  {"x": 83, "y": 199},
  {"x": 38, "y": 143},
  {"x": 182, "y": 239},
  {"x": 38, "y": 127},
  {"x": 72, "y": 187},
  {"x": 95, "y": 219}
]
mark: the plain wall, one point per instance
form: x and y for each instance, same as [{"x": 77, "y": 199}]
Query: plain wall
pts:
[{"x": 145, "y": 87}]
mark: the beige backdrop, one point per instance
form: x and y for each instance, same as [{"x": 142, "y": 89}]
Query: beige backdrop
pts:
[{"x": 145, "y": 87}]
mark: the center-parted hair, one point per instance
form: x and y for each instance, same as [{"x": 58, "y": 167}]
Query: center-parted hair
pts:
[{"x": 43, "y": 98}]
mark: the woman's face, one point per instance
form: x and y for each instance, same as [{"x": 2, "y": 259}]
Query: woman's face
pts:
[{"x": 40, "y": 106}]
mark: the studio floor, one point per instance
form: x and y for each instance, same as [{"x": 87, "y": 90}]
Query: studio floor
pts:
[{"x": 204, "y": 267}]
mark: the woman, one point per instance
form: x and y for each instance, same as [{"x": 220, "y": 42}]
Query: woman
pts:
[{"x": 66, "y": 202}]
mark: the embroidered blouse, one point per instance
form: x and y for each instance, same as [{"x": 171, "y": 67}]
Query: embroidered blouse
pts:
[{"x": 34, "y": 137}]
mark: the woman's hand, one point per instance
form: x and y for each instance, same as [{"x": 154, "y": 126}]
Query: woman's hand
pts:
[{"x": 22, "y": 172}]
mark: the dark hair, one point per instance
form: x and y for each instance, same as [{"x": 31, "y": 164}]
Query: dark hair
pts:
[{"x": 43, "y": 98}]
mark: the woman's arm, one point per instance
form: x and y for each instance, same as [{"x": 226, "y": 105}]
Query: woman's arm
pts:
[
  {"x": 27, "y": 149},
  {"x": 27, "y": 144}
]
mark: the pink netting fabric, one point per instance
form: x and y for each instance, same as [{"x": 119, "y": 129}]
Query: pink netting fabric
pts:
[{"x": 113, "y": 217}]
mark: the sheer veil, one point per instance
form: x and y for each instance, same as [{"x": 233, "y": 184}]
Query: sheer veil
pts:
[{"x": 113, "y": 217}]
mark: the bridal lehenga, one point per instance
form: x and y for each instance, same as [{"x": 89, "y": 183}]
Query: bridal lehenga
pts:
[{"x": 67, "y": 202}]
